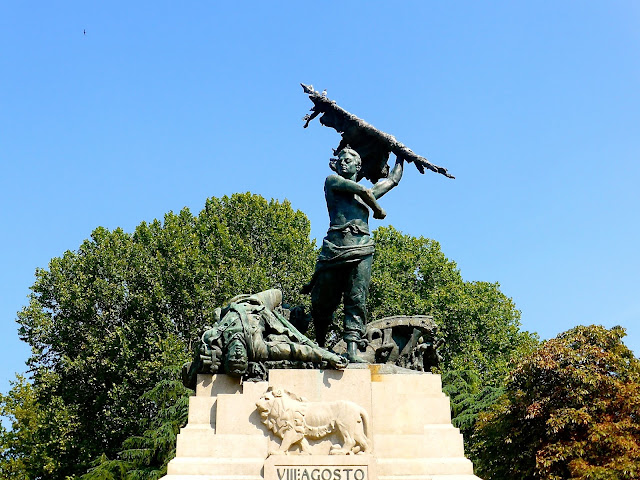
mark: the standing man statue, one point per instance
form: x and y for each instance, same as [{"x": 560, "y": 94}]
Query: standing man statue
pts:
[{"x": 343, "y": 269}]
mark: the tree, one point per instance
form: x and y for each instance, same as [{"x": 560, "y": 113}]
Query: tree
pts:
[
  {"x": 468, "y": 397},
  {"x": 100, "y": 318},
  {"x": 480, "y": 325},
  {"x": 570, "y": 411},
  {"x": 38, "y": 440},
  {"x": 146, "y": 456}
]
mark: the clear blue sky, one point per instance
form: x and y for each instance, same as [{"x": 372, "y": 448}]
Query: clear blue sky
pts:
[{"x": 533, "y": 106}]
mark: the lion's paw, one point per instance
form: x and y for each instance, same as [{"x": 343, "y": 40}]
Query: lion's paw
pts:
[{"x": 337, "y": 450}]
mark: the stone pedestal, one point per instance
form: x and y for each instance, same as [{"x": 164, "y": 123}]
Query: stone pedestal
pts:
[{"x": 409, "y": 425}]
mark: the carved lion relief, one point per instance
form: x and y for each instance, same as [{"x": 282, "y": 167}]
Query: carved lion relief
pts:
[{"x": 296, "y": 420}]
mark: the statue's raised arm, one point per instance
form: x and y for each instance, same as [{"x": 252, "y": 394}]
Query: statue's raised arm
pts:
[{"x": 384, "y": 185}]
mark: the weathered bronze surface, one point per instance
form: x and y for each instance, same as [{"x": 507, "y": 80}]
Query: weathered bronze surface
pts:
[
  {"x": 253, "y": 333},
  {"x": 372, "y": 144},
  {"x": 343, "y": 269},
  {"x": 250, "y": 336},
  {"x": 406, "y": 341}
]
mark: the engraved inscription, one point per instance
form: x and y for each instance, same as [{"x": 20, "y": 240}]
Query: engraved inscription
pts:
[{"x": 322, "y": 472}]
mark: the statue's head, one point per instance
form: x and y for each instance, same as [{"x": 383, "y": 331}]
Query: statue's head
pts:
[
  {"x": 348, "y": 162},
  {"x": 236, "y": 358}
]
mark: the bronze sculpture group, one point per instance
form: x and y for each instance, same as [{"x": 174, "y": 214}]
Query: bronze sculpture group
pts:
[{"x": 254, "y": 332}]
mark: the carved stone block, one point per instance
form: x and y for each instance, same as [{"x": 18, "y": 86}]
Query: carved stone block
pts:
[
  {"x": 320, "y": 467},
  {"x": 408, "y": 436},
  {"x": 296, "y": 420}
]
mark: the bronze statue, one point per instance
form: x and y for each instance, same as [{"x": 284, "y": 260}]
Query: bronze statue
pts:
[
  {"x": 404, "y": 341},
  {"x": 250, "y": 334},
  {"x": 343, "y": 269},
  {"x": 253, "y": 332}
]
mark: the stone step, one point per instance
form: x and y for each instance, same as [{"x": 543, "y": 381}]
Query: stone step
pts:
[
  {"x": 237, "y": 414},
  {"x": 220, "y": 467},
  {"x": 443, "y": 442},
  {"x": 212, "y": 385},
  {"x": 202, "y": 411},
  {"x": 415, "y": 383},
  {"x": 429, "y": 477},
  {"x": 389, "y": 467},
  {"x": 206, "y": 443},
  {"x": 408, "y": 413}
]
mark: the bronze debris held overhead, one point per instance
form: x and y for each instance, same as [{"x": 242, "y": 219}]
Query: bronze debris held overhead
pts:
[{"x": 373, "y": 145}]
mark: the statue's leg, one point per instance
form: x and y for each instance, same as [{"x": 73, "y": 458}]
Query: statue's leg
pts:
[
  {"x": 355, "y": 309},
  {"x": 361, "y": 439},
  {"x": 305, "y": 448},
  {"x": 325, "y": 298}
]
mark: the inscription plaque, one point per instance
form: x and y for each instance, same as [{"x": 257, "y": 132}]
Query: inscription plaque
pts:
[
  {"x": 322, "y": 472},
  {"x": 320, "y": 467}
]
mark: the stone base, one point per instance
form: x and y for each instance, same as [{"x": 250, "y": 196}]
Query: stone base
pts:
[{"x": 410, "y": 428}]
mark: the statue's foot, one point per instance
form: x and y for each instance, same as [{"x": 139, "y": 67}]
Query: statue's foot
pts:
[
  {"x": 352, "y": 353},
  {"x": 355, "y": 359}
]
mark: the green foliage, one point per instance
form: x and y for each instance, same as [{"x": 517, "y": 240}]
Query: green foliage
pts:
[
  {"x": 480, "y": 325},
  {"x": 38, "y": 441},
  {"x": 570, "y": 411},
  {"x": 468, "y": 398},
  {"x": 145, "y": 456},
  {"x": 101, "y": 318}
]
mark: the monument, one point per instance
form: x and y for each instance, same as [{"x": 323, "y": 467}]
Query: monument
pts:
[{"x": 272, "y": 404}]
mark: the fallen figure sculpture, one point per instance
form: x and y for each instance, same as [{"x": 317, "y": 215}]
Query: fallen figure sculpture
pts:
[{"x": 249, "y": 336}]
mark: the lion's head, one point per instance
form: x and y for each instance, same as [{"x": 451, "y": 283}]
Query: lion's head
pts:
[{"x": 274, "y": 404}]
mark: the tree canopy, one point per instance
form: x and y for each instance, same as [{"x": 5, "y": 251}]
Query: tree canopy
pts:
[
  {"x": 570, "y": 411},
  {"x": 104, "y": 320},
  {"x": 110, "y": 323}
]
